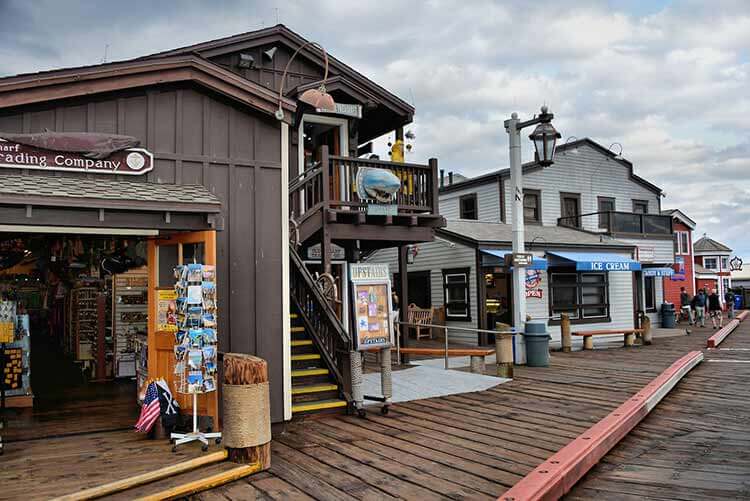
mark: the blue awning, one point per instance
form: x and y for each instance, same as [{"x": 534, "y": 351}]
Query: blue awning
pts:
[
  {"x": 537, "y": 263},
  {"x": 658, "y": 272},
  {"x": 592, "y": 261}
]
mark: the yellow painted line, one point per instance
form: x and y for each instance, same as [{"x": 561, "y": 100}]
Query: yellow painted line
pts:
[
  {"x": 319, "y": 406},
  {"x": 298, "y": 329},
  {"x": 306, "y": 356},
  {"x": 302, "y": 342},
  {"x": 309, "y": 372},
  {"x": 293, "y": 316},
  {"x": 318, "y": 388},
  {"x": 203, "y": 484}
]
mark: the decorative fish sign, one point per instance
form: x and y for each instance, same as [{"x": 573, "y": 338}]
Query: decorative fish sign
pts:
[
  {"x": 377, "y": 184},
  {"x": 89, "y": 144}
]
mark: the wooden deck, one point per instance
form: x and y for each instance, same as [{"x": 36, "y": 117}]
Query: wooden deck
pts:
[
  {"x": 469, "y": 446},
  {"x": 695, "y": 445}
]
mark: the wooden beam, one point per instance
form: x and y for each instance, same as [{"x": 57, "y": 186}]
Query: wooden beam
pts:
[{"x": 203, "y": 484}]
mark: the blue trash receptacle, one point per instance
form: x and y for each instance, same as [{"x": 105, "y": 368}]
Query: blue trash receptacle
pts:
[{"x": 537, "y": 340}]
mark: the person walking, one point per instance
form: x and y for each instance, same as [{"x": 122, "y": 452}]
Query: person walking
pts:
[
  {"x": 685, "y": 302},
  {"x": 729, "y": 301},
  {"x": 714, "y": 310},
  {"x": 700, "y": 308}
]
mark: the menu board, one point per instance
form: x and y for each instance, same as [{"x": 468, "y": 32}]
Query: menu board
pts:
[{"x": 372, "y": 307}]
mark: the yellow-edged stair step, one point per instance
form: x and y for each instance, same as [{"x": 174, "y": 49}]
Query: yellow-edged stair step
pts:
[
  {"x": 309, "y": 372},
  {"x": 298, "y": 329},
  {"x": 305, "y": 356},
  {"x": 314, "y": 388},
  {"x": 318, "y": 406},
  {"x": 293, "y": 316},
  {"x": 302, "y": 342}
]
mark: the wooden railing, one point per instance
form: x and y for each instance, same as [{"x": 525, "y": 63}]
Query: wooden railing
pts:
[
  {"x": 331, "y": 183},
  {"x": 320, "y": 318},
  {"x": 623, "y": 223}
]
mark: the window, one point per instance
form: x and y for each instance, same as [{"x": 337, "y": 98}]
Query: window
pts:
[
  {"x": 583, "y": 296},
  {"x": 531, "y": 206},
  {"x": 724, "y": 263},
  {"x": 725, "y": 282},
  {"x": 456, "y": 294},
  {"x": 468, "y": 207},
  {"x": 570, "y": 204},
  {"x": 649, "y": 286},
  {"x": 681, "y": 242},
  {"x": 605, "y": 204},
  {"x": 640, "y": 206},
  {"x": 710, "y": 263}
]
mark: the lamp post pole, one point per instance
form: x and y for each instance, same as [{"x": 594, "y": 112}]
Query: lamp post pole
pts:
[
  {"x": 544, "y": 137},
  {"x": 519, "y": 272}
]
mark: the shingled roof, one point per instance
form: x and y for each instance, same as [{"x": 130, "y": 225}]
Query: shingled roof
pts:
[
  {"x": 106, "y": 194},
  {"x": 706, "y": 244}
]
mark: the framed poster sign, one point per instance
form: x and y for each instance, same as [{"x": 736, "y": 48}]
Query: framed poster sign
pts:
[
  {"x": 371, "y": 287},
  {"x": 166, "y": 310}
]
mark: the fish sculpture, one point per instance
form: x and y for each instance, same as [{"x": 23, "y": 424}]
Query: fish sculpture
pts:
[
  {"x": 376, "y": 184},
  {"x": 89, "y": 144}
]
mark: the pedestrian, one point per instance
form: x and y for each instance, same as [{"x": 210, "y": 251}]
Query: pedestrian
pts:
[
  {"x": 685, "y": 302},
  {"x": 729, "y": 301},
  {"x": 700, "y": 308},
  {"x": 714, "y": 310}
]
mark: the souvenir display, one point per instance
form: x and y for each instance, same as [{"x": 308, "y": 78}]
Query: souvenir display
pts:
[{"x": 129, "y": 321}]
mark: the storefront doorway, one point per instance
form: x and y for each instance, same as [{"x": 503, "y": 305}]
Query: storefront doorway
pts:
[{"x": 498, "y": 298}]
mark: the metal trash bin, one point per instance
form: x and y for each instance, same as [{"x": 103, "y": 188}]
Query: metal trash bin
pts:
[
  {"x": 537, "y": 340},
  {"x": 667, "y": 316}
]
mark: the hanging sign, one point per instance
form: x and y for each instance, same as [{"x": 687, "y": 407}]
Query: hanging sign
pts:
[
  {"x": 336, "y": 252},
  {"x": 349, "y": 110},
  {"x": 371, "y": 286},
  {"x": 129, "y": 162}
]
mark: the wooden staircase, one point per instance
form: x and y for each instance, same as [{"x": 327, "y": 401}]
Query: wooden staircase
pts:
[{"x": 314, "y": 389}]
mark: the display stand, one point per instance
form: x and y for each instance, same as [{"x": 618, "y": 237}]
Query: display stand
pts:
[{"x": 196, "y": 435}]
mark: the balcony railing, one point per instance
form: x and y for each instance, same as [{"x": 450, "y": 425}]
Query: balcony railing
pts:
[
  {"x": 331, "y": 184},
  {"x": 621, "y": 223}
]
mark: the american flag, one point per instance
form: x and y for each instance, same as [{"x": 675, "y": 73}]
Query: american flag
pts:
[{"x": 150, "y": 410}]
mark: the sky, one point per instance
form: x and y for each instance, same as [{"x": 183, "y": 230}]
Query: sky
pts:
[{"x": 668, "y": 80}]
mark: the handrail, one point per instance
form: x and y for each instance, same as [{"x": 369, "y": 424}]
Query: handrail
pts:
[
  {"x": 647, "y": 224},
  {"x": 302, "y": 178}
]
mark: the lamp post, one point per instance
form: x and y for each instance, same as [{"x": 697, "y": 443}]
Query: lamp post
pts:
[{"x": 544, "y": 138}]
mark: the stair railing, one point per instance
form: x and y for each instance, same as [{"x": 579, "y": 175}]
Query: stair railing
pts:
[{"x": 320, "y": 320}]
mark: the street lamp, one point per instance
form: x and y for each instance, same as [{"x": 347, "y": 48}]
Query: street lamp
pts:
[{"x": 545, "y": 139}]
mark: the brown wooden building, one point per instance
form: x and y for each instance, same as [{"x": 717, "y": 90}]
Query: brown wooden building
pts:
[{"x": 226, "y": 167}]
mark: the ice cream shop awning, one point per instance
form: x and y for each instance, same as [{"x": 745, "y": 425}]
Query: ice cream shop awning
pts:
[{"x": 591, "y": 261}]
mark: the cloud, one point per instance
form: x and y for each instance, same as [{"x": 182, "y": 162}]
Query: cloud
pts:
[{"x": 667, "y": 80}]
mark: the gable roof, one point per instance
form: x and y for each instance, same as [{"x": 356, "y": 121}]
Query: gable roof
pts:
[
  {"x": 680, "y": 216},
  {"x": 534, "y": 165},
  {"x": 706, "y": 244}
]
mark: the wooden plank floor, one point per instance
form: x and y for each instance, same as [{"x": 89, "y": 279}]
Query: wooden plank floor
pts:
[
  {"x": 695, "y": 445},
  {"x": 468, "y": 446}
]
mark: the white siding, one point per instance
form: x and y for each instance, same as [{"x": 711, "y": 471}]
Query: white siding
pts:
[
  {"x": 436, "y": 256},
  {"x": 652, "y": 250},
  {"x": 591, "y": 174},
  {"x": 488, "y": 201}
]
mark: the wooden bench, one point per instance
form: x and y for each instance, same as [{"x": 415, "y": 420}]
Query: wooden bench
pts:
[
  {"x": 588, "y": 336},
  {"x": 477, "y": 355},
  {"x": 420, "y": 318}
]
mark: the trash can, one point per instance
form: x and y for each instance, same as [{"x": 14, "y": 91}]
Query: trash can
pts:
[
  {"x": 537, "y": 339},
  {"x": 737, "y": 301},
  {"x": 667, "y": 316}
]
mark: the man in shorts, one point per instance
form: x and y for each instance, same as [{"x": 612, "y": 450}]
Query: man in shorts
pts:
[
  {"x": 729, "y": 301},
  {"x": 714, "y": 310}
]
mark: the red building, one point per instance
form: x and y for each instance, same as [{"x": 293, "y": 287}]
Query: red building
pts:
[{"x": 684, "y": 273}]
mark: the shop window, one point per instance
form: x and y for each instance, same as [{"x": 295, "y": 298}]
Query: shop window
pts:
[
  {"x": 649, "y": 287},
  {"x": 583, "y": 296},
  {"x": 682, "y": 242},
  {"x": 640, "y": 206},
  {"x": 456, "y": 294},
  {"x": 532, "y": 212},
  {"x": 605, "y": 205},
  {"x": 710, "y": 263},
  {"x": 469, "y": 208}
]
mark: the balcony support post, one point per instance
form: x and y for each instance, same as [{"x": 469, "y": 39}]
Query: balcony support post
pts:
[
  {"x": 403, "y": 306},
  {"x": 433, "y": 163}
]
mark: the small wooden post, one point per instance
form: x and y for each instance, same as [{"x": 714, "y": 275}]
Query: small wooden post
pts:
[
  {"x": 646, "y": 326},
  {"x": 248, "y": 371},
  {"x": 504, "y": 351},
  {"x": 588, "y": 342},
  {"x": 629, "y": 339},
  {"x": 566, "y": 338}
]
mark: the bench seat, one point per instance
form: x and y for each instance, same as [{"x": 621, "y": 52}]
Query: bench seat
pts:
[{"x": 476, "y": 354}]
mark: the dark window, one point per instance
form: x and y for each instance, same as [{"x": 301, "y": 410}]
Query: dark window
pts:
[
  {"x": 531, "y": 206},
  {"x": 710, "y": 263},
  {"x": 605, "y": 205},
  {"x": 581, "y": 295},
  {"x": 649, "y": 286},
  {"x": 570, "y": 204},
  {"x": 468, "y": 207},
  {"x": 640, "y": 206},
  {"x": 677, "y": 239},
  {"x": 456, "y": 294}
]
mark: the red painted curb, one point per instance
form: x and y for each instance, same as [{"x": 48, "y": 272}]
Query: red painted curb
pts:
[
  {"x": 743, "y": 315},
  {"x": 556, "y": 476},
  {"x": 722, "y": 333}
]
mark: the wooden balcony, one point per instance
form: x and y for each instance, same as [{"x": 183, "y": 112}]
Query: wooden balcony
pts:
[
  {"x": 325, "y": 197},
  {"x": 622, "y": 224}
]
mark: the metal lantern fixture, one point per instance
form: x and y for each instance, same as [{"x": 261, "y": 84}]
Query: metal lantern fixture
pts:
[
  {"x": 545, "y": 139},
  {"x": 318, "y": 98}
]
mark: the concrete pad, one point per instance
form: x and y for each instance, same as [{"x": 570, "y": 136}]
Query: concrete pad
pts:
[{"x": 423, "y": 381}]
